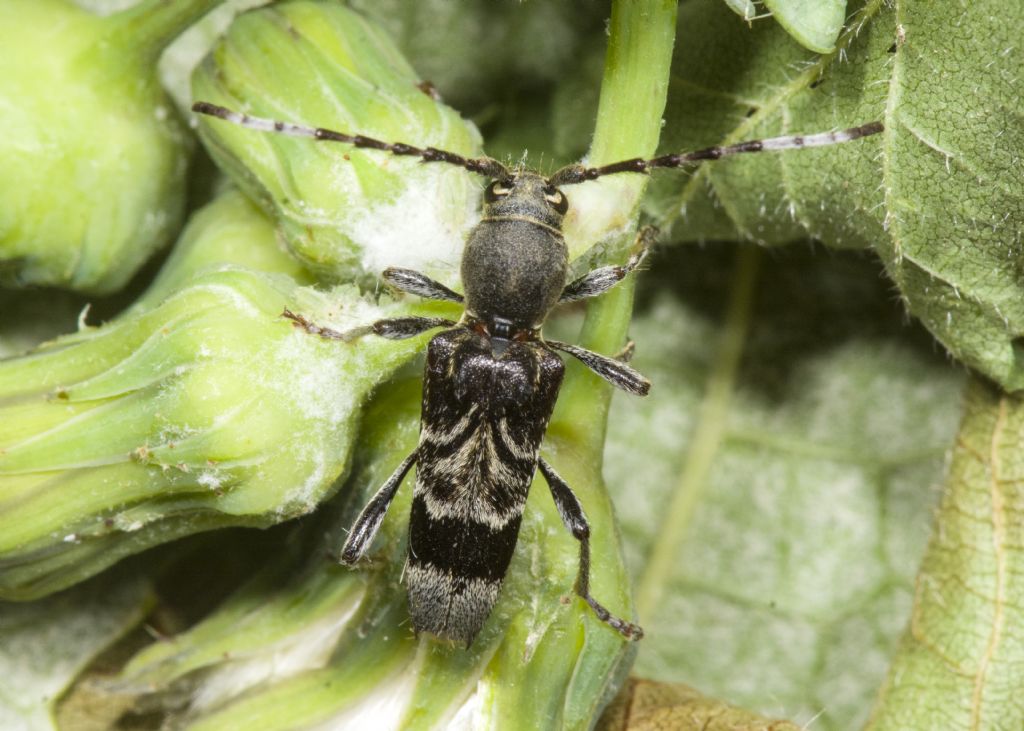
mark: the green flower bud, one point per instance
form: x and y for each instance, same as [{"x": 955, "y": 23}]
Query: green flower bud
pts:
[
  {"x": 207, "y": 410},
  {"x": 230, "y": 231},
  {"x": 94, "y": 156},
  {"x": 311, "y": 644},
  {"x": 343, "y": 211}
]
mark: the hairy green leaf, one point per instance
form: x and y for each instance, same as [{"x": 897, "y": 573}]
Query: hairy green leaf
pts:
[
  {"x": 961, "y": 661},
  {"x": 939, "y": 195},
  {"x": 815, "y": 24},
  {"x": 775, "y": 492},
  {"x": 744, "y": 8},
  {"x": 46, "y": 644}
]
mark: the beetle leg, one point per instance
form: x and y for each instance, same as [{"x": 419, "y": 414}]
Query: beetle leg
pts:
[
  {"x": 411, "y": 281},
  {"x": 600, "y": 280},
  {"x": 572, "y": 515},
  {"x": 395, "y": 328},
  {"x": 369, "y": 520},
  {"x": 614, "y": 371}
]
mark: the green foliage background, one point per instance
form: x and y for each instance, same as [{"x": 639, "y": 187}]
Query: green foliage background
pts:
[{"x": 775, "y": 494}]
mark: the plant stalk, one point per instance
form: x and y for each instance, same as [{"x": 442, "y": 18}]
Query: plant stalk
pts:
[
  {"x": 152, "y": 25},
  {"x": 633, "y": 95}
]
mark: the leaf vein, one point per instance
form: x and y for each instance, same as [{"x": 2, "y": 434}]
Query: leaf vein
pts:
[
  {"x": 767, "y": 110},
  {"x": 959, "y": 159},
  {"x": 998, "y": 503},
  {"x": 708, "y": 435}
]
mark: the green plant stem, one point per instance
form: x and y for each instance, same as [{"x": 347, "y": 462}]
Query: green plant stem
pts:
[
  {"x": 708, "y": 436},
  {"x": 635, "y": 84},
  {"x": 152, "y": 25},
  {"x": 633, "y": 94}
]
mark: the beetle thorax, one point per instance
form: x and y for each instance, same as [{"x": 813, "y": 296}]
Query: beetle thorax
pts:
[{"x": 515, "y": 263}]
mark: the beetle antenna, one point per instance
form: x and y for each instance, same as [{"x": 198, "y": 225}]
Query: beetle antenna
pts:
[
  {"x": 572, "y": 174},
  {"x": 486, "y": 166}
]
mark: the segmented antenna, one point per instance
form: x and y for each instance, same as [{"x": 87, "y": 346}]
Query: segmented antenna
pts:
[
  {"x": 578, "y": 173},
  {"x": 486, "y": 166}
]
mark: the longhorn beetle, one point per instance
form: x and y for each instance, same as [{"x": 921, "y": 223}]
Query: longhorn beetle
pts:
[{"x": 491, "y": 379}]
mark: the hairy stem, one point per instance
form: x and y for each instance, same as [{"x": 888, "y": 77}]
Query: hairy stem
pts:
[
  {"x": 633, "y": 94},
  {"x": 152, "y": 25}
]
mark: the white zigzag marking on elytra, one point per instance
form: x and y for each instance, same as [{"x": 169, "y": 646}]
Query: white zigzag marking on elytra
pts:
[{"x": 476, "y": 471}]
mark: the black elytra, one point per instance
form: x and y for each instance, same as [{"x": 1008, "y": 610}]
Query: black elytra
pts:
[{"x": 491, "y": 380}]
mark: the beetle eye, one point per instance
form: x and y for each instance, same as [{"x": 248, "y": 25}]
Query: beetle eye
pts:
[
  {"x": 495, "y": 191},
  {"x": 557, "y": 199}
]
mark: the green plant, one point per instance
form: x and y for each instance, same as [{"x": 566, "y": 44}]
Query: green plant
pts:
[{"x": 774, "y": 494}]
